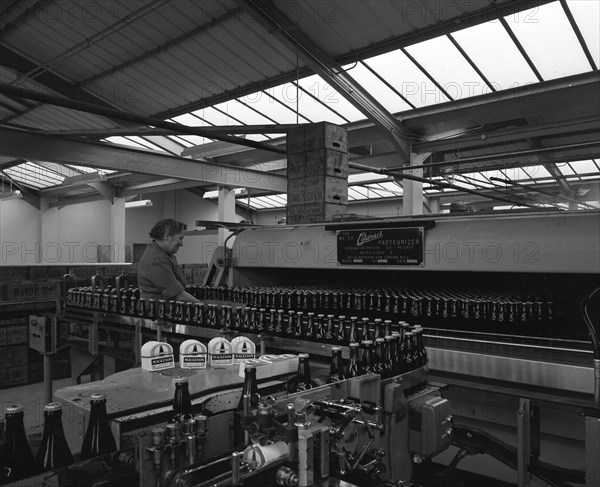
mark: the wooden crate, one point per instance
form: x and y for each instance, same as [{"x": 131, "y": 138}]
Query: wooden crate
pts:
[
  {"x": 323, "y": 162},
  {"x": 313, "y": 213},
  {"x": 317, "y": 189},
  {"x": 13, "y": 356},
  {"x": 323, "y": 135}
]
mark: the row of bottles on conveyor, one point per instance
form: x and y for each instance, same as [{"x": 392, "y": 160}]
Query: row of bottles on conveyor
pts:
[
  {"x": 403, "y": 303},
  {"x": 16, "y": 457},
  {"x": 388, "y": 356},
  {"x": 279, "y": 309}
]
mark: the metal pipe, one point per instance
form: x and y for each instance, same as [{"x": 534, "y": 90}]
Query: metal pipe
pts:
[
  {"x": 597, "y": 381},
  {"x": 22, "y": 93},
  {"x": 400, "y": 175},
  {"x": 537, "y": 190}
]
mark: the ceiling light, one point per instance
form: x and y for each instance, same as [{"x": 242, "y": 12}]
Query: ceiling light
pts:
[
  {"x": 138, "y": 204},
  {"x": 11, "y": 195}
]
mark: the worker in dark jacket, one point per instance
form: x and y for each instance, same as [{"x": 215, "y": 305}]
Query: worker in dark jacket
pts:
[{"x": 159, "y": 274}]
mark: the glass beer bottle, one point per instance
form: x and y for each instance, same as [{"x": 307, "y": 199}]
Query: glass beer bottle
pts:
[
  {"x": 54, "y": 451},
  {"x": 98, "y": 439}
]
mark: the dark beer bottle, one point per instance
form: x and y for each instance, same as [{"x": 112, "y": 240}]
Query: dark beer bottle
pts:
[
  {"x": 54, "y": 451},
  {"x": 380, "y": 366},
  {"x": 302, "y": 380},
  {"x": 366, "y": 360},
  {"x": 250, "y": 389},
  {"x": 182, "y": 403},
  {"x": 19, "y": 458},
  {"x": 354, "y": 368},
  {"x": 5, "y": 468},
  {"x": 336, "y": 372},
  {"x": 98, "y": 438}
]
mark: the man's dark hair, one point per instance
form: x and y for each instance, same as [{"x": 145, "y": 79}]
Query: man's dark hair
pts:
[{"x": 167, "y": 226}]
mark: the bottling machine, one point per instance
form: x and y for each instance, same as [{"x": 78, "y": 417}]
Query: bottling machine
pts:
[{"x": 509, "y": 394}]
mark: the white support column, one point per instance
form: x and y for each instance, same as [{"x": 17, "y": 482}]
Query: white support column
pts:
[
  {"x": 412, "y": 199},
  {"x": 434, "y": 206},
  {"x": 49, "y": 237},
  {"x": 117, "y": 230},
  {"x": 226, "y": 212}
]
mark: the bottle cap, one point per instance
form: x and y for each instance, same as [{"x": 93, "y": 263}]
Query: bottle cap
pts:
[
  {"x": 14, "y": 408},
  {"x": 98, "y": 396},
  {"x": 335, "y": 348},
  {"x": 53, "y": 406},
  {"x": 354, "y": 344},
  {"x": 379, "y": 340},
  {"x": 303, "y": 355},
  {"x": 181, "y": 380}
]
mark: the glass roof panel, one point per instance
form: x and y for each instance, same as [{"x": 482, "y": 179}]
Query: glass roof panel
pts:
[
  {"x": 189, "y": 119},
  {"x": 322, "y": 90},
  {"x": 490, "y": 47},
  {"x": 242, "y": 113},
  {"x": 217, "y": 117},
  {"x": 312, "y": 109},
  {"x": 384, "y": 94},
  {"x": 582, "y": 167},
  {"x": 34, "y": 175},
  {"x": 549, "y": 40},
  {"x": 146, "y": 143},
  {"x": 365, "y": 176},
  {"x": 587, "y": 16},
  {"x": 401, "y": 73},
  {"x": 195, "y": 139},
  {"x": 448, "y": 67},
  {"x": 180, "y": 140},
  {"x": 125, "y": 141},
  {"x": 269, "y": 107}
]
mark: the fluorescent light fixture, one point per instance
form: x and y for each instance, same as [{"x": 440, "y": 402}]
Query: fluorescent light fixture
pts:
[
  {"x": 138, "y": 204},
  {"x": 11, "y": 195}
]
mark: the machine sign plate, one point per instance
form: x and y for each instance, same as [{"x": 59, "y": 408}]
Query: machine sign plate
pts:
[{"x": 385, "y": 246}]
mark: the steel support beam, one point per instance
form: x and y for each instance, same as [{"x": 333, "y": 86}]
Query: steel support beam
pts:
[
  {"x": 296, "y": 41},
  {"x": 19, "y": 93},
  {"x": 52, "y": 149},
  {"x": 587, "y": 124}
]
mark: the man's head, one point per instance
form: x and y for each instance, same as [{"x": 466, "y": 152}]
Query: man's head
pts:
[{"x": 168, "y": 235}]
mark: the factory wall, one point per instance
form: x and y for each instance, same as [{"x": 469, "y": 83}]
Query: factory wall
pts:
[{"x": 71, "y": 234}]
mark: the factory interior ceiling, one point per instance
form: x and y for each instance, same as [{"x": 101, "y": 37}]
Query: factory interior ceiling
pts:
[{"x": 493, "y": 102}]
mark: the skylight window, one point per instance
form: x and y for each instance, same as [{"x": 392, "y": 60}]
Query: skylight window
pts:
[
  {"x": 546, "y": 35},
  {"x": 451, "y": 70},
  {"x": 401, "y": 73},
  {"x": 587, "y": 16},
  {"x": 267, "y": 105},
  {"x": 491, "y": 49},
  {"x": 372, "y": 84},
  {"x": 331, "y": 98}
]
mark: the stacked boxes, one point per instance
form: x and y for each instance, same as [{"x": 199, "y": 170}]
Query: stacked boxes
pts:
[
  {"x": 317, "y": 173},
  {"x": 13, "y": 352}
]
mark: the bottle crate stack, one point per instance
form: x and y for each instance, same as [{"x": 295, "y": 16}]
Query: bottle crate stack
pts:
[{"x": 317, "y": 173}]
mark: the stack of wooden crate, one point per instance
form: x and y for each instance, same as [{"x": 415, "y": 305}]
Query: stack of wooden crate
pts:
[{"x": 317, "y": 173}]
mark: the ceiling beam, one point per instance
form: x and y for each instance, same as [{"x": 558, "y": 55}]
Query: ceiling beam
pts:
[
  {"x": 468, "y": 17},
  {"x": 93, "y": 154},
  {"x": 130, "y": 117},
  {"x": 297, "y": 42},
  {"x": 150, "y": 131},
  {"x": 587, "y": 124}
]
